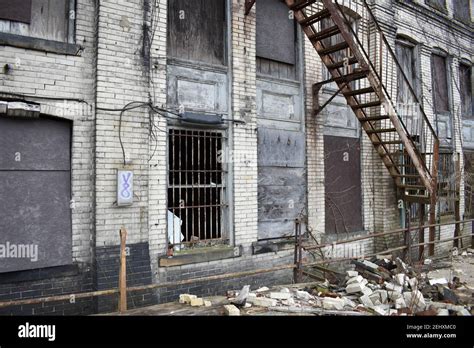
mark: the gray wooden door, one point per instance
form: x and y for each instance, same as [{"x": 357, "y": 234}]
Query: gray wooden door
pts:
[{"x": 35, "y": 194}]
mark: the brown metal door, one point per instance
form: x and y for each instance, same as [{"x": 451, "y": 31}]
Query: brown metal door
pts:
[{"x": 342, "y": 184}]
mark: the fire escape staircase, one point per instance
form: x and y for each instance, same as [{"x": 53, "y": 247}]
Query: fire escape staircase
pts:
[{"x": 367, "y": 83}]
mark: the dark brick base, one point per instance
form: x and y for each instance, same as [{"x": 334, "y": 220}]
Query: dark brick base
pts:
[
  {"x": 138, "y": 273},
  {"x": 219, "y": 287},
  {"x": 48, "y": 282}
]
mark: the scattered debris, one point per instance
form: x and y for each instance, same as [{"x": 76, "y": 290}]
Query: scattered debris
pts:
[
  {"x": 231, "y": 310},
  {"x": 241, "y": 299},
  {"x": 197, "y": 302}
]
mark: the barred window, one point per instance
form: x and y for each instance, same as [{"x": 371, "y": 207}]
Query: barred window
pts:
[{"x": 196, "y": 188}]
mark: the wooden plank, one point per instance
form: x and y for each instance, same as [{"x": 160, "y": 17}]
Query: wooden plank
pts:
[
  {"x": 57, "y": 20},
  {"x": 275, "y": 229},
  {"x": 281, "y": 148},
  {"x": 279, "y": 176}
]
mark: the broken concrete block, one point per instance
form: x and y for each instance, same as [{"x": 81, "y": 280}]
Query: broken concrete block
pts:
[
  {"x": 376, "y": 298},
  {"x": 356, "y": 279},
  {"x": 352, "y": 274},
  {"x": 349, "y": 303},
  {"x": 464, "y": 312},
  {"x": 354, "y": 287},
  {"x": 380, "y": 309},
  {"x": 370, "y": 265},
  {"x": 186, "y": 298},
  {"x": 330, "y": 303},
  {"x": 383, "y": 295},
  {"x": 394, "y": 295},
  {"x": 393, "y": 287},
  {"x": 197, "y": 302},
  {"x": 441, "y": 281},
  {"x": 366, "y": 301},
  {"x": 262, "y": 301},
  {"x": 400, "y": 279},
  {"x": 303, "y": 295},
  {"x": 207, "y": 303},
  {"x": 262, "y": 289},
  {"x": 413, "y": 282},
  {"x": 247, "y": 305},
  {"x": 427, "y": 262},
  {"x": 367, "y": 291},
  {"x": 400, "y": 303},
  {"x": 280, "y": 295},
  {"x": 443, "y": 312},
  {"x": 417, "y": 301},
  {"x": 231, "y": 310},
  {"x": 289, "y": 302},
  {"x": 285, "y": 290}
]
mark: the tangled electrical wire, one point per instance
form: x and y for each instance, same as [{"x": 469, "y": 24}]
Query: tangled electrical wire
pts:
[{"x": 168, "y": 114}]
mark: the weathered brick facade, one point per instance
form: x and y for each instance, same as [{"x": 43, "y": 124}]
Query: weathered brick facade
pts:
[{"x": 119, "y": 63}]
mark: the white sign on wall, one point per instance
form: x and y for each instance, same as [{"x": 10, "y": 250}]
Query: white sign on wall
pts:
[{"x": 124, "y": 187}]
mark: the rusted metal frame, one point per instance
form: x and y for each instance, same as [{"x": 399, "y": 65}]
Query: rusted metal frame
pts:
[
  {"x": 298, "y": 270},
  {"x": 380, "y": 234},
  {"x": 407, "y": 235},
  {"x": 336, "y": 73},
  {"x": 352, "y": 100},
  {"x": 321, "y": 108},
  {"x": 421, "y": 232},
  {"x": 338, "y": 18},
  {"x": 248, "y": 6},
  {"x": 433, "y": 197}
]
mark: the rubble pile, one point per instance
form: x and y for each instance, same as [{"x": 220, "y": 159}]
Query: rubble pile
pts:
[{"x": 376, "y": 287}]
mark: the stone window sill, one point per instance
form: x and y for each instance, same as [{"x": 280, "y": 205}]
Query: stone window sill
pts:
[
  {"x": 199, "y": 256},
  {"x": 37, "y": 44}
]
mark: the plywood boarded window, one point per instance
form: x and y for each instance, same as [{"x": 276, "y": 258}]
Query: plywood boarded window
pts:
[
  {"x": 342, "y": 184},
  {"x": 44, "y": 19},
  {"x": 462, "y": 10},
  {"x": 196, "y": 188},
  {"x": 465, "y": 82},
  {"x": 437, "y": 4},
  {"x": 440, "y": 83},
  {"x": 406, "y": 57},
  {"x": 196, "y": 30},
  {"x": 16, "y": 10},
  {"x": 276, "y": 32}
]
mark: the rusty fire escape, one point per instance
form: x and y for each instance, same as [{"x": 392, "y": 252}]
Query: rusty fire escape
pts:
[{"x": 364, "y": 67}]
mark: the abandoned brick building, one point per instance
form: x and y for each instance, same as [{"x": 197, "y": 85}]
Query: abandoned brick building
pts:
[{"x": 207, "y": 127}]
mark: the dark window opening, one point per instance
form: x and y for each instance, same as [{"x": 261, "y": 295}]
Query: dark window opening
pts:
[
  {"x": 196, "y": 188},
  {"x": 42, "y": 19},
  {"x": 406, "y": 57},
  {"x": 440, "y": 84},
  {"x": 196, "y": 30},
  {"x": 465, "y": 84}
]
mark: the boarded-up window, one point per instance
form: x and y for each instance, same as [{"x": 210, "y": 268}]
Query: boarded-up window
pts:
[
  {"x": 437, "y": 4},
  {"x": 465, "y": 82},
  {"x": 440, "y": 83},
  {"x": 16, "y": 10},
  {"x": 196, "y": 30},
  {"x": 48, "y": 19},
  {"x": 462, "y": 10},
  {"x": 276, "y": 34},
  {"x": 406, "y": 58},
  {"x": 343, "y": 184}
]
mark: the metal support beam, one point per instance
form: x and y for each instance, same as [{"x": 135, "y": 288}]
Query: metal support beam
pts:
[{"x": 248, "y": 6}]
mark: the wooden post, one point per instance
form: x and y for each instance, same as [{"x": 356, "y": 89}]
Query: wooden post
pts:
[
  {"x": 123, "y": 272},
  {"x": 407, "y": 235}
]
